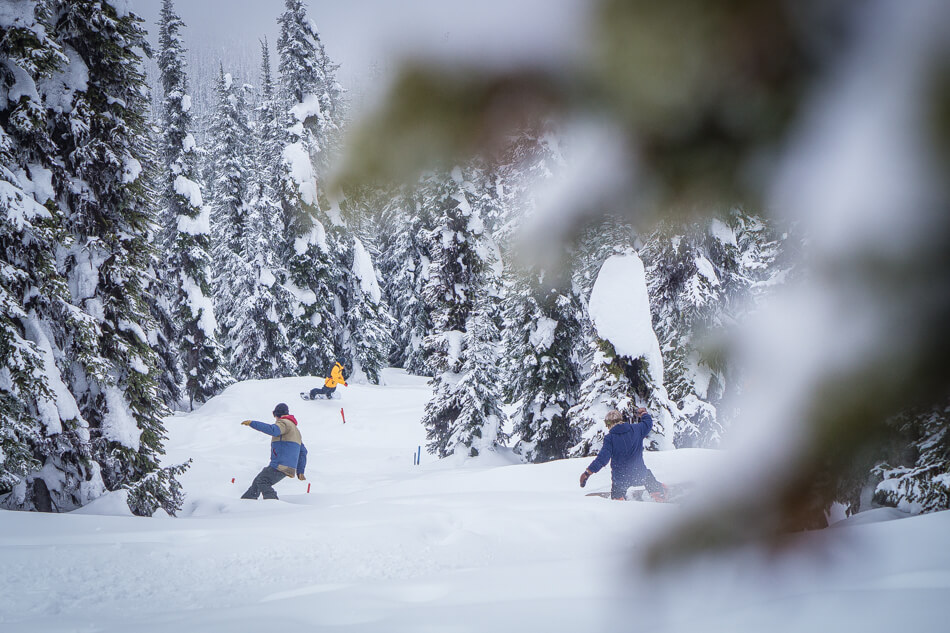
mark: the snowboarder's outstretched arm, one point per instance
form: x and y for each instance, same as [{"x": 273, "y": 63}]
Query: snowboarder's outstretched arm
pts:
[{"x": 269, "y": 429}]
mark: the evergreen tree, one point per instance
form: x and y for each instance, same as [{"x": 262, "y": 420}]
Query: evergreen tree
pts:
[
  {"x": 257, "y": 334},
  {"x": 309, "y": 88},
  {"x": 405, "y": 270},
  {"x": 543, "y": 329},
  {"x": 464, "y": 412},
  {"x": 702, "y": 277},
  {"x": 232, "y": 225},
  {"x": 105, "y": 265},
  {"x": 914, "y": 477},
  {"x": 190, "y": 244},
  {"x": 159, "y": 294},
  {"x": 367, "y": 323},
  {"x": 40, "y": 425},
  {"x": 313, "y": 277}
]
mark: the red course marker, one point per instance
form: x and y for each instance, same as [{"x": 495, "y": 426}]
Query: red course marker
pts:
[
  {"x": 232, "y": 480},
  {"x": 342, "y": 416},
  {"x": 308, "y": 489}
]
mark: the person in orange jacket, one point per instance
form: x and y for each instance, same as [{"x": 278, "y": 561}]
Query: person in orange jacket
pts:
[{"x": 329, "y": 383}]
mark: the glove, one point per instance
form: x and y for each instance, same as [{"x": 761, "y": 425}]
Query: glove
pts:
[
  {"x": 641, "y": 411},
  {"x": 301, "y": 477},
  {"x": 246, "y": 423},
  {"x": 584, "y": 477}
]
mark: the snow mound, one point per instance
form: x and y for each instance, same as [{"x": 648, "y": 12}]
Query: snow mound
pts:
[
  {"x": 110, "y": 504},
  {"x": 620, "y": 309}
]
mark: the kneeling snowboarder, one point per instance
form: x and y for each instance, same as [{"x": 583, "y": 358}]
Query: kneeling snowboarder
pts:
[
  {"x": 288, "y": 453},
  {"x": 623, "y": 448},
  {"x": 329, "y": 383}
]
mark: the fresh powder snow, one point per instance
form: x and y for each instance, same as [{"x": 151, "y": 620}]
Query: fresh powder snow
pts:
[{"x": 378, "y": 544}]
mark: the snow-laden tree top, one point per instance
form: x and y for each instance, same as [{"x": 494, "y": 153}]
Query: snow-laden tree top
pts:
[{"x": 620, "y": 309}]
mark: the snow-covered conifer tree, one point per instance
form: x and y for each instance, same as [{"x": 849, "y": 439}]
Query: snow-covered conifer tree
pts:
[
  {"x": 231, "y": 222},
  {"x": 40, "y": 424},
  {"x": 702, "y": 277},
  {"x": 314, "y": 276},
  {"x": 188, "y": 272},
  {"x": 464, "y": 412},
  {"x": 159, "y": 295},
  {"x": 543, "y": 330},
  {"x": 257, "y": 333},
  {"x": 367, "y": 321},
  {"x": 405, "y": 269},
  {"x": 108, "y": 213},
  {"x": 308, "y": 84},
  {"x": 915, "y": 478}
]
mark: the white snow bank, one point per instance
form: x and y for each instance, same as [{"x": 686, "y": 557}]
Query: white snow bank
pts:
[
  {"x": 620, "y": 309},
  {"x": 110, "y": 504},
  {"x": 375, "y": 543}
]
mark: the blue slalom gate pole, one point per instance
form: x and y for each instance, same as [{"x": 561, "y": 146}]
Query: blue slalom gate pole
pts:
[{"x": 418, "y": 456}]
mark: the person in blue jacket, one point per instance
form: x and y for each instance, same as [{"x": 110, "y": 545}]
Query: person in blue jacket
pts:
[
  {"x": 623, "y": 448},
  {"x": 288, "y": 455}
]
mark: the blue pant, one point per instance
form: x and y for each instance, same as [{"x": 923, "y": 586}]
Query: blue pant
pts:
[
  {"x": 263, "y": 484},
  {"x": 322, "y": 391},
  {"x": 619, "y": 486}
]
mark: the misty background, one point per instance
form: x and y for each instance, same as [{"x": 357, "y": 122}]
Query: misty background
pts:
[{"x": 369, "y": 39}]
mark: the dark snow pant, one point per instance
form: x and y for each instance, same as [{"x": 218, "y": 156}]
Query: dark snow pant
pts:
[
  {"x": 618, "y": 488},
  {"x": 322, "y": 391},
  {"x": 263, "y": 484}
]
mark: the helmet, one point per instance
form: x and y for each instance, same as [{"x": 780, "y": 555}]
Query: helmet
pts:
[{"x": 281, "y": 409}]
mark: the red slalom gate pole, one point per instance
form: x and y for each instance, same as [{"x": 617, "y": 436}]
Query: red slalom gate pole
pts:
[
  {"x": 342, "y": 416},
  {"x": 308, "y": 489}
]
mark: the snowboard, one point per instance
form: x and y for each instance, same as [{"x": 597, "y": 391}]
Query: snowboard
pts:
[
  {"x": 305, "y": 395},
  {"x": 674, "y": 493}
]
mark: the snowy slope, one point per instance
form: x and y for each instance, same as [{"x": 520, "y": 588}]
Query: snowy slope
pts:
[{"x": 381, "y": 545}]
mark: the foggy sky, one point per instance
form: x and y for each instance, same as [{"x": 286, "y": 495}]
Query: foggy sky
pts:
[{"x": 368, "y": 37}]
